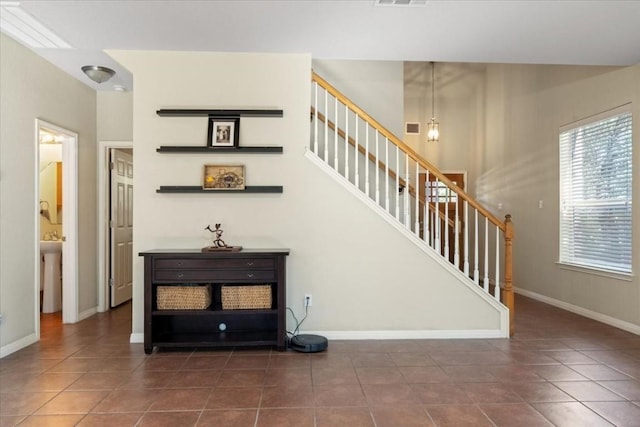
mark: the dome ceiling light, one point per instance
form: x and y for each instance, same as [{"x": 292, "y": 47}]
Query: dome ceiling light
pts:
[{"x": 98, "y": 73}]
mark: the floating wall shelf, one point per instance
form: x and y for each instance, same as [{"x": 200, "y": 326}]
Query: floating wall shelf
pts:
[
  {"x": 218, "y": 113},
  {"x": 192, "y": 189},
  {"x": 199, "y": 189},
  {"x": 217, "y": 150}
]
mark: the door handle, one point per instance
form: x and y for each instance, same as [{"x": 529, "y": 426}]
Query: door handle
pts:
[{"x": 63, "y": 238}]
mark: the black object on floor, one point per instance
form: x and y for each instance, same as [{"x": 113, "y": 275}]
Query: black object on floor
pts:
[{"x": 307, "y": 343}]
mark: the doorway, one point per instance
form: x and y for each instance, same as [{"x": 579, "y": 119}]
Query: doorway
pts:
[
  {"x": 115, "y": 230},
  {"x": 57, "y": 219}
]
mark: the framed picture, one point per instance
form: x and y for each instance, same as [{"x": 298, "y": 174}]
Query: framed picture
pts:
[
  {"x": 224, "y": 132},
  {"x": 223, "y": 177}
]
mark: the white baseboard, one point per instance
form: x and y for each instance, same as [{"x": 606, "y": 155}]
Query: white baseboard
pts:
[
  {"x": 6, "y": 350},
  {"x": 612, "y": 321},
  {"x": 410, "y": 335},
  {"x": 87, "y": 313},
  {"x": 136, "y": 338}
]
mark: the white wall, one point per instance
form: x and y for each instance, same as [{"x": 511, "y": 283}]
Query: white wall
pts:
[
  {"x": 33, "y": 88},
  {"x": 364, "y": 276}
]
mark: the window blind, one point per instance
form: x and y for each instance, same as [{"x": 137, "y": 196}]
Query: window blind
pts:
[{"x": 595, "y": 194}]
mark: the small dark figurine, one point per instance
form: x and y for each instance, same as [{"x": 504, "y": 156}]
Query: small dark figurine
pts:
[{"x": 218, "y": 242}]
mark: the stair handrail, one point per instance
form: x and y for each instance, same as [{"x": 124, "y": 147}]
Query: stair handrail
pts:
[{"x": 408, "y": 150}]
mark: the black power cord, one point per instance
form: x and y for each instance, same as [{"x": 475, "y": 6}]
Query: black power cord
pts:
[{"x": 298, "y": 323}]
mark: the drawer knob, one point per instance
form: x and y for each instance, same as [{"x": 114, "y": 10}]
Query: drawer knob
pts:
[
  {"x": 249, "y": 274},
  {"x": 179, "y": 263},
  {"x": 249, "y": 263},
  {"x": 180, "y": 275}
]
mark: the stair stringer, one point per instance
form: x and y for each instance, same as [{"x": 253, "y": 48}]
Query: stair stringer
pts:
[{"x": 456, "y": 274}]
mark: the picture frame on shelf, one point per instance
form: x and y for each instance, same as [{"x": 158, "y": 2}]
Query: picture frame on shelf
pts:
[
  {"x": 223, "y": 132},
  {"x": 224, "y": 177}
]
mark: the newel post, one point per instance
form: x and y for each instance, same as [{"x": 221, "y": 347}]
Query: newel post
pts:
[{"x": 507, "y": 291}]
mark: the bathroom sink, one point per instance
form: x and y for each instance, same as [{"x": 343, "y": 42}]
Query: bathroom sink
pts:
[
  {"x": 51, "y": 250},
  {"x": 50, "y": 246}
]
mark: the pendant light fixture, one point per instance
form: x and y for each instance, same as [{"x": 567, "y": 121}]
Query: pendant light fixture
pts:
[{"x": 433, "y": 132}]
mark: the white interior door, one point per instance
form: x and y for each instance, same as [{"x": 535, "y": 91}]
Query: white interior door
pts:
[{"x": 121, "y": 226}]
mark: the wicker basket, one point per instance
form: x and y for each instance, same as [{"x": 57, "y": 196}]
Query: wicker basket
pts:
[
  {"x": 245, "y": 297},
  {"x": 183, "y": 297}
]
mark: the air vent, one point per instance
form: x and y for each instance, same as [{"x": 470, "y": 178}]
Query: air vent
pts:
[
  {"x": 400, "y": 3},
  {"x": 412, "y": 128}
]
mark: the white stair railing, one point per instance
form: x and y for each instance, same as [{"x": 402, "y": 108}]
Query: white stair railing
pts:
[{"x": 413, "y": 191}]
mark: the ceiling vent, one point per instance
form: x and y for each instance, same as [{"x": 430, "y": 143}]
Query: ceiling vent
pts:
[
  {"x": 26, "y": 29},
  {"x": 400, "y": 3}
]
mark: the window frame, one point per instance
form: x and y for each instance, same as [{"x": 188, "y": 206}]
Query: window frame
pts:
[{"x": 572, "y": 263}]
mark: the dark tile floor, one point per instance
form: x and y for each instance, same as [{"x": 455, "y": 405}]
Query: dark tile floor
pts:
[{"x": 559, "y": 369}]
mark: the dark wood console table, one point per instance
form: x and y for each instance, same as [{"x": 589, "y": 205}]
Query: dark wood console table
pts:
[{"x": 214, "y": 326}]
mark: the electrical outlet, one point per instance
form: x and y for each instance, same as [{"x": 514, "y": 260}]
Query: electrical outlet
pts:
[{"x": 308, "y": 300}]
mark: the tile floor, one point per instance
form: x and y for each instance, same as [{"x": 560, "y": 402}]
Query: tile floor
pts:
[{"x": 560, "y": 369}]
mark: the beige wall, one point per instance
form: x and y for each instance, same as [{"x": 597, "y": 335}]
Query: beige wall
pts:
[
  {"x": 530, "y": 106},
  {"x": 115, "y": 116},
  {"x": 459, "y": 94},
  {"x": 375, "y": 86},
  {"x": 501, "y": 123},
  {"x": 33, "y": 88},
  {"x": 364, "y": 276}
]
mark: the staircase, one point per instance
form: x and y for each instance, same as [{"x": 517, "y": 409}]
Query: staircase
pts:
[{"x": 412, "y": 193}]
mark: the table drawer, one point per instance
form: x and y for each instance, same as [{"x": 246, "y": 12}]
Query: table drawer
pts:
[
  {"x": 205, "y": 263},
  {"x": 215, "y": 276}
]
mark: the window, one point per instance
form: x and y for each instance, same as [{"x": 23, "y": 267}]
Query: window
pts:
[{"x": 595, "y": 193}]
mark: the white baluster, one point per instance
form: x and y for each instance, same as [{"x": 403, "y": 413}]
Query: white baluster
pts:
[
  {"x": 386, "y": 174},
  {"x": 436, "y": 214},
  {"x": 466, "y": 238},
  {"x": 366, "y": 161},
  {"x": 407, "y": 180},
  {"x": 315, "y": 122},
  {"x": 377, "y": 172},
  {"x": 434, "y": 221},
  {"x": 456, "y": 235},
  {"x": 426, "y": 228},
  {"x": 356, "y": 155},
  {"x": 496, "y": 291},
  {"x": 476, "y": 273},
  {"x": 486, "y": 254},
  {"x": 396, "y": 190},
  {"x": 335, "y": 137},
  {"x": 446, "y": 223},
  {"x": 346, "y": 142},
  {"x": 417, "y": 198},
  {"x": 326, "y": 126}
]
